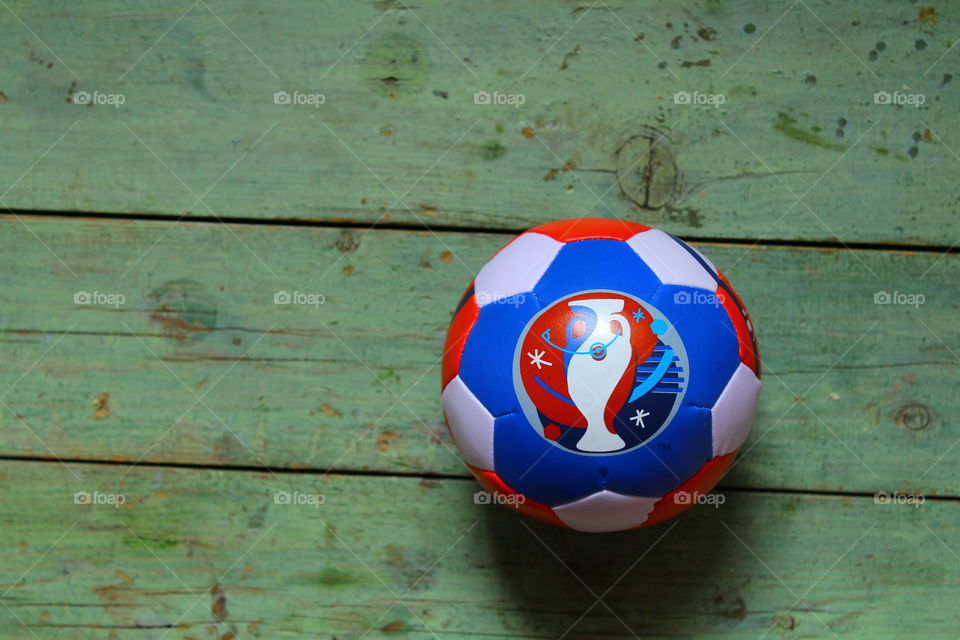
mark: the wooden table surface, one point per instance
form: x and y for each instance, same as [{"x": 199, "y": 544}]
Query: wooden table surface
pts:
[{"x": 168, "y": 168}]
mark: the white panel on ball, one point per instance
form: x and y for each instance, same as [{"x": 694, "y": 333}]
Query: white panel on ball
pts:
[
  {"x": 706, "y": 260},
  {"x": 672, "y": 263},
  {"x": 606, "y": 511},
  {"x": 516, "y": 268},
  {"x": 470, "y": 423},
  {"x": 733, "y": 412}
]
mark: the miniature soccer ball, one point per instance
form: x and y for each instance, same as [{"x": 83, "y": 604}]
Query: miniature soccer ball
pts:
[{"x": 599, "y": 375}]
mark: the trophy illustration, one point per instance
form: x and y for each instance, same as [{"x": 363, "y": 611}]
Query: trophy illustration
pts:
[{"x": 593, "y": 375}]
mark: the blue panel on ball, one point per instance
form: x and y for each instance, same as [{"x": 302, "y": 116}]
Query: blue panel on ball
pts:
[
  {"x": 540, "y": 470},
  {"x": 667, "y": 460},
  {"x": 709, "y": 337},
  {"x": 596, "y": 264},
  {"x": 487, "y": 362},
  {"x": 546, "y": 473}
]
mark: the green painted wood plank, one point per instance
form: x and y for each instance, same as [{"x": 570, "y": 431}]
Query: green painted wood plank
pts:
[
  {"x": 201, "y": 554},
  {"x": 199, "y": 366},
  {"x": 399, "y": 136}
]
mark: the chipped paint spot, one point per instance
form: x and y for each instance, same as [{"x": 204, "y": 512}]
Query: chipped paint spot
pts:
[
  {"x": 219, "y": 606},
  {"x": 707, "y": 33},
  {"x": 566, "y": 59},
  {"x": 335, "y": 577},
  {"x": 492, "y": 150},
  {"x": 329, "y": 411},
  {"x": 686, "y": 215},
  {"x": 384, "y": 440},
  {"x": 396, "y": 64},
  {"x": 787, "y": 125},
  {"x": 347, "y": 241},
  {"x": 102, "y": 406}
]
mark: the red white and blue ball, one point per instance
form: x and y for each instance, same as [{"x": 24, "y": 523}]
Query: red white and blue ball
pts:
[{"x": 598, "y": 373}]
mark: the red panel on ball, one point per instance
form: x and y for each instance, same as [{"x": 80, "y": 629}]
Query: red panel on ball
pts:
[
  {"x": 493, "y": 485},
  {"x": 463, "y": 321},
  {"x": 590, "y": 229},
  {"x": 700, "y": 483},
  {"x": 740, "y": 317}
]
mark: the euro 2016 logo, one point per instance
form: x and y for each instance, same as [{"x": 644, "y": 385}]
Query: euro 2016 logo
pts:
[{"x": 600, "y": 372}]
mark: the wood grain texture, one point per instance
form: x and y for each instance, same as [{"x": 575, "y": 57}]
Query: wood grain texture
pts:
[
  {"x": 199, "y": 366},
  {"x": 399, "y": 136},
  {"x": 144, "y": 339},
  {"x": 203, "y": 554}
]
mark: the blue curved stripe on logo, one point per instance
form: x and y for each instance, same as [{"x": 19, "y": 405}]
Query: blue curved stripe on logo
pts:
[
  {"x": 654, "y": 377},
  {"x": 552, "y": 392},
  {"x": 546, "y": 338}
]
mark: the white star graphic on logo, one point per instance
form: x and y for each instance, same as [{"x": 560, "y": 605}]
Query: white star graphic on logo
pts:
[
  {"x": 537, "y": 358},
  {"x": 638, "y": 418}
]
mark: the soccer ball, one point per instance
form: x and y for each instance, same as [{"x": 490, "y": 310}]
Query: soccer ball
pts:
[{"x": 599, "y": 375}]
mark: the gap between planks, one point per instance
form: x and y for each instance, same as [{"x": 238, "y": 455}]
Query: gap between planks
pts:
[
  {"x": 905, "y": 249},
  {"x": 422, "y": 475}
]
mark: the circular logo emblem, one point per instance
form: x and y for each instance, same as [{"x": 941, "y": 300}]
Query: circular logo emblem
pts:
[{"x": 599, "y": 372}]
